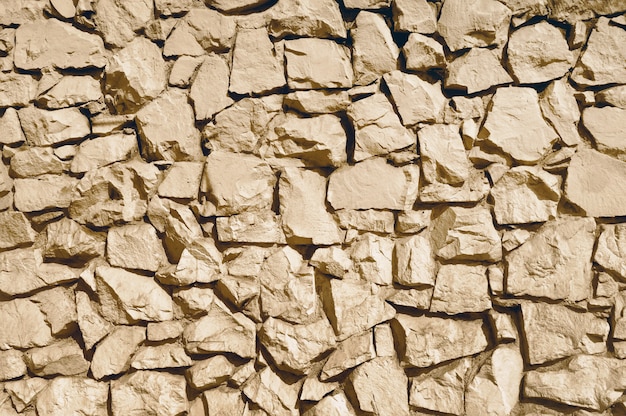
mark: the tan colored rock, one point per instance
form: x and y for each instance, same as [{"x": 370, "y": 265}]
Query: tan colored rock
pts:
[
  {"x": 604, "y": 60},
  {"x": 560, "y": 108},
  {"x": 367, "y": 4},
  {"x": 335, "y": 404},
  {"x": 317, "y": 101},
  {"x": 70, "y": 91},
  {"x": 526, "y": 194},
  {"x": 210, "y": 372},
  {"x": 381, "y": 386},
  {"x": 209, "y": 91},
  {"x": 237, "y": 6},
  {"x": 160, "y": 356},
  {"x": 200, "y": 262},
  {"x": 366, "y": 220},
  {"x": 412, "y": 222},
  {"x": 443, "y": 155},
  {"x": 461, "y": 288},
  {"x": 441, "y": 389},
  {"x": 316, "y": 141},
  {"x": 414, "y": 263},
  {"x": 135, "y": 246},
  {"x": 556, "y": 331},
  {"x": 515, "y": 125},
  {"x": 539, "y": 53},
  {"x": 119, "y": 21},
  {"x": 166, "y": 129},
  {"x": 172, "y": 7},
  {"x": 307, "y": 18},
  {"x": 211, "y": 29},
  {"x": 182, "y": 42},
  {"x": 73, "y": 395},
  {"x": 472, "y": 190},
  {"x": 331, "y": 260},
  {"x": 58, "y": 304},
  {"x": 611, "y": 248},
  {"x": 416, "y": 298},
  {"x": 373, "y": 184},
  {"x": 477, "y": 23},
  {"x": 378, "y": 129},
  {"x": 584, "y": 381},
  {"x": 374, "y": 52},
  {"x": 135, "y": 75},
  {"x": 24, "y": 325},
  {"x": 428, "y": 340},
  {"x": 415, "y": 99},
  {"x": 162, "y": 331},
  {"x": 422, "y": 53},
  {"x": 20, "y": 11},
  {"x": 615, "y": 96},
  {"x": 414, "y": 16},
  {"x": 372, "y": 258},
  {"x": 22, "y": 392},
  {"x": 224, "y": 400},
  {"x": 182, "y": 180},
  {"x": 45, "y": 128},
  {"x": 251, "y": 227},
  {"x": 183, "y": 70},
  {"x": 102, "y": 151},
  {"x": 16, "y": 230},
  {"x": 274, "y": 394},
  {"x": 503, "y": 325},
  {"x": 10, "y": 125},
  {"x": 92, "y": 325},
  {"x": 103, "y": 124},
  {"x": 149, "y": 392},
  {"x": 62, "y": 358},
  {"x": 606, "y": 125},
  {"x": 257, "y": 63},
  {"x": 16, "y": 90},
  {"x": 350, "y": 353},
  {"x": 52, "y": 43},
  {"x": 193, "y": 300},
  {"x": 12, "y": 365},
  {"x": 555, "y": 262},
  {"x": 476, "y": 71},
  {"x": 113, "y": 355},
  {"x": 317, "y": 63}
]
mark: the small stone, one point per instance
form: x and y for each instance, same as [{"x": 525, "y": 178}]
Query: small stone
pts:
[
  {"x": 113, "y": 355},
  {"x": 160, "y": 356},
  {"x": 366, "y": 220},
  {"x": 58, "y": 304},
  {"x": 16, "y": 90},
  {"x": 414, "y": 16},
  {"x": 16, "y": 230},
  {"x": 515, "y": 125},
  {"x": 22, "y": 392},
  {"x": 193, "y": 300},
  {"x": 11, "y": 127},
  {"x": 350, "y": 353},
  {"x": 182, "y": 180},
  {"x": 11, "y": 365},
  {"x": 412, "y": 222},
  {"x": 210, "y": 372},
  {"x": 102, "y": 151},
  {"x": 224, "y": 400},
  {"x": 257, "y": 63},
  {"x": 183, "y": 70},
  {"x": 276, "y": 394},
  {"x": 461, "y": 288},
  {"x": 560, "y": 108},
  {"x": 373, "y": 52},
  {"x": 606, "y": 125},
  {"x": 92, "y": 325},
  {"x": 251, "y": 227},
  {"x": 441, "y": 389},
  {"x": 378, "y": 130},
  {"x": 317, "y": 101},
  {"x": 422, "y": 53},
  {"x": 539, "y": 53},
  {"x": 503, "y": 325},
  {"x": 331, "y": 260},
  {"x": 24, "y": 325},
  {"x": 611, "y": 249},
  {"x": 212, "y": 30},
  {"x": 103, "y": 124},
  {"x": 135, "y": 246},
  {"x": 62, "y": 358},
  {"x": 335, "y": 404},
  {"x": 372, "y": 257},
  {"x": 73, "y": 395},
  {"x": 45, "y": 128},
  {"x": 428, "y": 340},
  {"x": 162, "y": 331},
  {"x": 44, "y": 192},
  {"x": 70, "y": 91},
  {"x": 476, "y": 71},
  {"x": 119, "y": 21},
  {"x": 209, "y": 90},
  {"x": 383, "y": 341},
  {"x": 415, "y": 100},
  {"x": 236, "y": 6},
  {"x": 472, "y": 190},
  {"x": 182, "y": 42},
  {"x": 317, "y": 63},
  {"x": 615, "y": 96},
  {"x": 149, "y": 392},
  {"x": 556, "y": 331},
  {"x": 307, "y": 18},
  {"x": 443, "y": 155},
  {"x": 66, "y": 239},
  {"x": 172, "y": 7}
]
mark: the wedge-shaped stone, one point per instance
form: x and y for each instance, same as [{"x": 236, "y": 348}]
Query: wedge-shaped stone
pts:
[
  {"x": 17, "y": 90},
  {"x": 374, "y": 52},
  {"x": 257, "y": 63},
  {"x": 160, "y": 356},
  {"x": 615, "y": 96},
  {"x": 182, "y": 180},
  {"x": 472, "y": 190},
  {"x": 373, "y": 184},
  {"x": 414, "y": 262},
  {"x": 415, "y": 99},
  {"x": 149, "y": 392},
  {"x": 443, "y": 155},
  {"x": 210, "y": 372},
  {"x": 294, "y": 347},
  {"x": 441, "y": 389},
  {"x": 414, "y": 16},
  {"x": 12, "y": 365},
  {"x": 515, "y": 125},
  {"x": 317, "y": 63},
  {"x": 560, "y": 108},
  {"x": 118, "y": 21},
  {"x": 331, "y": 260},
  {"x": 70, "y": 91},
  {"x": 16, "y": 230},
  {"x": 467, "y": 24},
  {"x": 35, "y": 161},
  {"x": 584, "y": 381},
  {"x": 130, "y": 297},
  {"x": 212, "y": 30},
  {"x": 66, "y": 239},
  {"x": 20, "y": 11},
  {"x": 318, "y": 101},
  {"x": 251, "y": 227},
  {"x": 238, "y": 183},
  {"x": 428, "y": 340},
  {"x": 606, "y": 125},
  {"x": 556, "y": 331},
  {"x": 61, "y": 358},
  {"x": 335, "y": 404},
  {"x": 276, "y": 394},
  {"x": 350, "y": 353},
  {"x": 58, "y": 304},
  {"x": 555, "y": 262},
  {"x": 209, "y": 91},
  {"x": 135, "y": 246},
  {"x": 422, "y": 53},
  {"x": 526, "y": 194},
  {"x": 172, "y": 7},
  {"x": 381, "y": 386},
  {"x": 372, "y": 258},
  {"x": 45, "y": 128},
  {"x": 22, "y": 393},
  {"x": 52, "y": 43},
  {"x": 611, "y": 249},
  {"x": 102, "y": 151},
  {"x": 73, "y": 395},
  {"x": 221, "y": 331},
  {"x": 461, "y": 288},
  {"x": 224, "y": 400},
  {"x": 167, "y": 130},
  {"x": 366, "y": 220},
  {"x": 476, "y": 71},
  {"x": 93, "y": 327},
  {"x": 10, "y": 123},
  {"x": 539, "y": 53},
  {"x": 24, "y": 325},
  {"x": 307, "y": 18}
]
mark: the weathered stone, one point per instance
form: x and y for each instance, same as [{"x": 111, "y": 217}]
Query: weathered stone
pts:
[
  {"x": 62, "y": 358},
  {"x": 58, "y": 304},
  {"x": 102, "y": 151},
  {"x": 412, "y": 222},
  {"x": 331, "y": 260},
  {"x": 606, "y": 125},
  {"x": 515, "y": 125},
  {"x": 414, "y": 263},
  {"x": 443, "y": 156},
  {"x": 10, "y": 125},
  {"x": 92, "y": 325},
  {"x": 526, "y": 194},
  {"x": 461, "y": 288},
  {"x": 194, "y": 301},
  {"x": 210, "y": 372},
  {"x": 350, "y": 353},
  {"x": 611, "y": 249},
  {"x": 428, "y": 340},
  {"x": 172, "y": 7},
  {"x": 70, "y": 91},
  {"x": 45, "y": 128},
  {"x": 20, "y": 11},
  {"x": 335, "y": 404},
  {"x": 201, "y": 262},
  {"x": 414, "y": 16},
  {"x": 556, "y": 331},
  {"x": 52, "y": 43},
  {"x": 135, "y": 246},
  {"x": 104, "y": 124},
  {"x": 479, "y": 23},
  {"x": 35, "y": 161},
  {"x": 539, "y": 53},
  {"x": 372, "y": 257},
  {"x": 415, "y": 99},
  {"x": 441, "y": 389},
  {"x": 160, "y": 356},
  {"x": 317, "y": 101},
  {"x": 166, "y": 129},
  {"x": 584, "y": 381},
  {"x": 251, "y": 227},
  {"x": 182, "y": 42},
  {"x": 308, "y": 18},
  {"x": 149, "y": 392},
  {"x": 224, "y": 400},
  {"x": 73, "y": 395},
  {"x": 317, "y": 63},
  {"x": 66, "y": 239},
  {"x": 380, "y": 386},
  {"x": 275, "y": 394},
  {"x": 373, "y": 52},
  {"x": 183, "y": 71},
  {"x": 162, "y": 331},
  {"x": 560, "y": 108},
  {"x": 211, "y": 29},
  {"x": 11, "y": 365},
  {"x": 135, "y": 75},
  {"x": 24, "y": 325},
  {"x": 16, "y": 230},
  {"x": 22, "y": 392},
  {"x": 472, "y": 190},
  {"x": 209, "y": 91},
  {"x": 366, "y": 220},
  {"x": 16, "y": 90},
  {"x": 182, "y": 180},
  {"x": 373, "y": 184},
  {"x": 113, "y": 355},
  {"x": 237, "y": 6},
  {"x": 422, "y": 53},
  {"x": 118, "y": 21},
  {"x": 257, "y": 63},
  {"x": 615, "y": 96},
  {"x": 476, "y": 71},
  {"x": 503, "y": 326}
]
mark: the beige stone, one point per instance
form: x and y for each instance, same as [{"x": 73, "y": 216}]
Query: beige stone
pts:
[
  {"x": 210, "y": 372},
  {"x": 476, "y": 71},
  {"x": 70, "y": 91},
  {"x": 461, "y": 288},
  {"x": 16, "y": 230},
  {"x": 224, "y": 400},
  {"x": 118, "y": 21},
  {"x": 331, "y": 260},
  {"x": 24, "y": 325},
  {"x": 372, "y": 258},
  {"x": 150, "y": 392},
  {"x": 443, "y": 156},
  {"x": 606, "y": 125},
  {"x": 503, "y": 325},
  {"x": 422, "y": 53},
  {"x": 610, "y": 249},
  {"x": 366, "y": 220},
  {"x": 211, "y": 29},
  {"x": 335, "y": 404},
  {"x": 45, "y": 128},
  {"x": 273, "y": 393},
  {"x": 441, "y": 389},
  {"x": 113, "y": 355},
  {"x": 12, "y": 365},
  {"x": 615, "y": 96},
  {"x": 472, "y": 190},
  {"x": 307, "y": 18},
  {"x": 194, "y": 301},
  {"x": 373, "y": 52},
  {"x": 162, "y": 331},
  {"x": 62, "y": 358},
  {"x": 414, "y": 16},
  {"x": 209, "y": 90},
  {"x": 10, "y": 125},
  {"x": 20, "y": 12},
  {"x": 172, "y": 7},
  {"x": 182, "y": 42},
  {"x": 380, "y": 386},
  {"x": 93, "y": 327},
  {"x": 560, "y": 108},
  {"x": 73, "y": 395},
  {"x": 414, "y": 263},
  {"x": 317, "y": 101},
  {"x": 237, "y": 6},
  {"x": 183, "y": 71},
  {"x": 135, "y": 246},
  {"x": 413, "y": 221},
  {"x": 415, "y": 99},
  {"x": 251, "y": 227},
  {"x": 102, "y": 151},
  {"x": 22, "y": 392},
  {"x": 182, "y": 180},
  {"x": 317, "y": 63},
  {"x": 160, "y": 356},
  {"x": 350, "y": 353},
  {"x": 16, "y": 90}
]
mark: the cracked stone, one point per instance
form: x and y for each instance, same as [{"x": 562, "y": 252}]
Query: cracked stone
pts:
[
  {"x": 317, "y": 63},
  {"x": 317, "y": 101},
  {"x": 70, "y": 91},
  {"x": 16, "y": 230},
  {"x": 443, "y": 155},
  {"x": 441, "y": 389},
  {"x": 611, "y": 249},
  {"x": 118, "y": 21},
  {"x": 422, "y": 53},
  {"x": 476, "y": 71},
  {"x": 606, "y": 125},
  {"x": 93, "y": 327},
  {"x": 209, "y": 90},
  {"x": 62, "y": 358},
  {"x": 160, "y": 356},
  {"x": 210, "y": 373},
  {"x": 16, "y": 90},
  {"x": 335, "y": 404},
  {"x": 149, "y": 392},
  {"x": 73, "y": 395},
  {"x": 461, "y": 288},
  {"x": 24, "y": 325},
  {"x": 45, "y": 128},
  {"x": 414, "y": 16},
  {"x": 372, "y": 258},
  {"x": 414, "y": 263},
  {"x": 415, "y": 99},
  {"x": 135, "y": 246},
  {"x": 251, "y": 227},
  {"x": 182, "y": 180},
  {"x": 374, "y": 51},
  {"x": 307, "y": 18},
  {"x": 102, "y": 151},
  {"x": 560, "y": 108},
  {"x": 350, "y": 353},
  {"x": 12, "y": 365},
  {"x": 380, "y": 386},
  {"x": 66, "y": 239}
]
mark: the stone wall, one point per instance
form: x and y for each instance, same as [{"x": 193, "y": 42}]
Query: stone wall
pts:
[{"x": 317, "y": 207}]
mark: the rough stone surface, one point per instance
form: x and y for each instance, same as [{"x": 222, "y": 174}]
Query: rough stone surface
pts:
[
  {"x": 441, "y": 389},
  {"x": 380, "y": 386},
  {"x": 460, "y": 288},
  {"x": 308, "y": 63},
  {"x": 45, "y": 128},
  {"x": 476, "y": 71},
  {"x": 374, "y": 52},
  {"x": 150, "y": 392},
  {"x": 443, "y": 155},
  {"x": 407, "y": 91}
]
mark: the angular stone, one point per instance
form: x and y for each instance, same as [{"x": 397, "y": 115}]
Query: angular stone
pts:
[
  {"x": 412, "y": 222},
  {"x": 16, "y": 230},
  {"x": 526, "y": 194},
  {"x": 92, "y": 325},
  {"x": 441, "y": 389},
  {"x": 539, "y": 53},
  {"x": 52, "y": 43},
  {"x": 210, "y": 372},
  {"x": 373, "y": 184},
  {"x": 135, "y": 246},
  {"x": 428, "y": 340},
  {"x": 128, "y": 297},
  {"x": 257, "y": 63},
  {"x": 472, "y": 190},
  {"x": 16, "y": 90},
  {"x": 317, "y": 101},
  {"x": 172, "y": 7},
  {"x": 182, "y": 42},
  {"x": 372, "y": 257},
  {"x": 113, "y": 355},
  {"x": 62, "y": 358},
  {"x": 135, "y": 75},
  {"x": 443, "y": 155},
  {"x": 606, "y": 125},
  {"x": 238, "y": 183},
  {"x": 414, "y": 263},
  {"x": 70, "y": 91},
  {"x": 414, "y": 16},
  {"x": 22, "y": 393},
  {"x": 555, "y": 262},
  {"x": 479, "y": 23},
  {"x": 560, "y": 108},
  {"x": 118, "y": 21},
  {"x": 45, "y": 128},
  {"x": 584, "y": 381},
  {"x": 182, "y": 180},
  {"x": 10, "y": 125},
  {"x": 24, "y": 325},
  {"x": 415, "y": 99},
  {"x": 476, "y": 71},
  {"x": 461, "y": 288},
  {"x": 381, "y": 386},
  {"x": 366, "y": 220},
  {"x": 331, "y": 260},
  {"x": 373, "y": 52},
  {"x": 212, "y": 30},
  {"x": 555, "y": 331},
  {"x": 162, "y": 331},
  {"x": 193, "y": 300},
  {"x": 307, "y": 18},
  {"x": 160, "y": 356},
  {"x": 20, "y": 11},
  {"x": 316, "y": 141},
  {"x": 350, "y": 353},
  {"x": 149, "y": 392},
  {"x": 166, "y": 129},
  {"x": 73, "y": 395},
  {"x": 209, "y": 91},
  {"x": 317, "y": 63},
  {"x": 275, "y": 394},
  {"x": 422, "y": 53},
  {"x": 11, "y": 365},
  {"x": 224, "y": 400},
  {"x": 184, "y": 69},
  {"x": 103, "y": 124},
  {"x": 611, "y": 249},
  {"x": 335, "y": 404},
  {"x": 251, "y": 227},
  {"x": 102, "y": 151},
  {"x": 236, "y": 6},
  {"x": 515, "y": 125},
  {"x": 615, "y": 96}
]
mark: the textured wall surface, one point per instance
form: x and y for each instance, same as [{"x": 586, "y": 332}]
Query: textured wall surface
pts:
[{"x": 317, "y": 207}]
